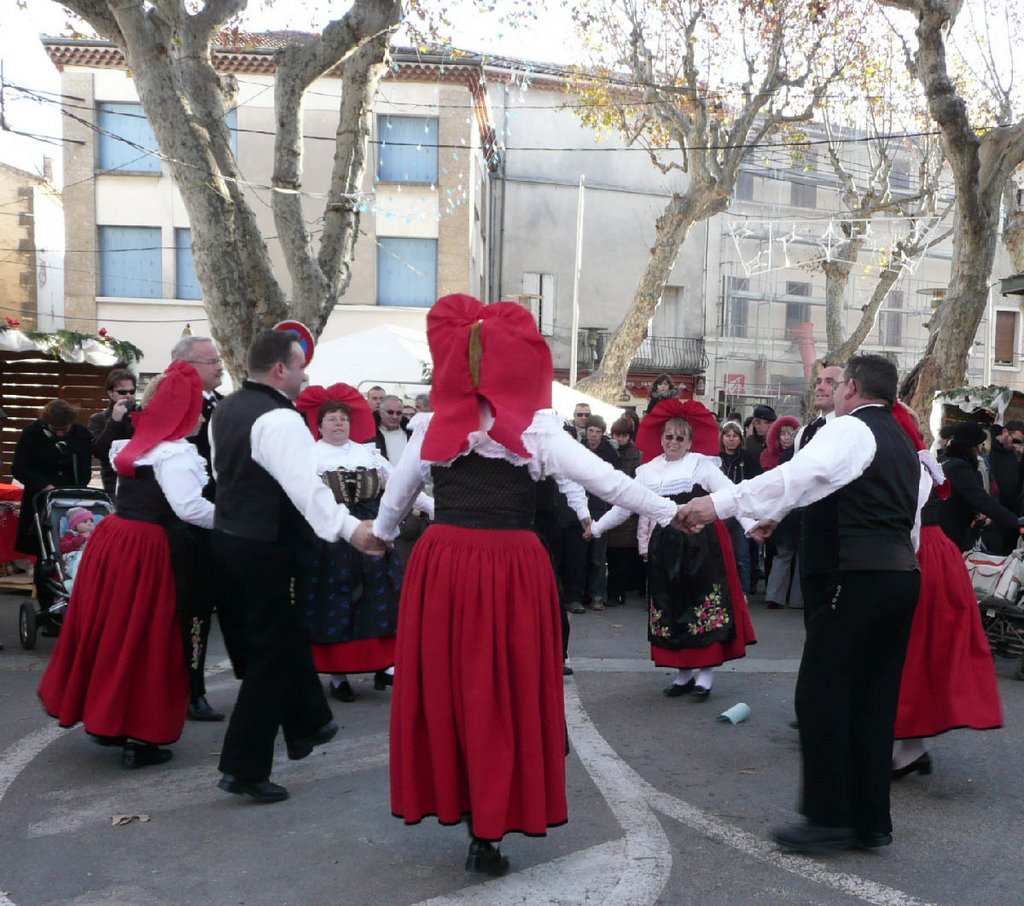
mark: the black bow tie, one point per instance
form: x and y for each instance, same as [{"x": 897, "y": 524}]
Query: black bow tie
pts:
[{"x": 811, "y": 430}]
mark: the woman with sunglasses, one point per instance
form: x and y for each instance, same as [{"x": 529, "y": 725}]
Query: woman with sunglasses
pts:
[{"x": 698, "y": 616}]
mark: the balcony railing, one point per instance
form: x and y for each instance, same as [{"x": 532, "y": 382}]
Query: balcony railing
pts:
[{"x": 678, "y": 355}]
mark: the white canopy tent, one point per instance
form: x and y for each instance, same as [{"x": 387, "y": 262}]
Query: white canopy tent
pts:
[{"x": 398, "y": 358}]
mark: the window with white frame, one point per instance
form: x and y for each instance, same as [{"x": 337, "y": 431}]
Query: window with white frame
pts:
[
  {"x": 186, "y": 284},
  {"x": 744, "y": 186},
  {"x": 539, "y": 293},
  {"x": 890, "y": 323},
  {"x": 406, "y": 271},
  {"x": 797, "y": 312},
  {"x": 126, "y": 139},
  {"x": 407, "y": 148},
  {"x": 737, "y": 312},
  {"x": 130, "y": 262},
  {"x": 1005, "y": 346}
]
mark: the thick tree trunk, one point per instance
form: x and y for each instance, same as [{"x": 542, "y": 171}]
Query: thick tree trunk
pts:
[
  {"x": 671, "y": 229},
  {"x": 1013, "y": 227}
]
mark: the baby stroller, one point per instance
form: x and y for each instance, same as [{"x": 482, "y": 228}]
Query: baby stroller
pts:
[
  {"x": 46, "y": 611},
  {"x": 999, "y": 585}
]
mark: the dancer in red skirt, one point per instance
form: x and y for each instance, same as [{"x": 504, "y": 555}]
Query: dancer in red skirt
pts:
[
  {"x": 119, "y": 666},
  {"x": 477, "y": 720},
  {"x": 949, "y": 678},
  {"x": 698, "y": 616}
]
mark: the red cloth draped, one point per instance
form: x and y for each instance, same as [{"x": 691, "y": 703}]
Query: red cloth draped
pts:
[
  {"x": 949, "y": 679},
  {"x": 698, "y": 416},
  {"x": 514, "y": 373},
  {"x": 119, "y": 663},
  {"x": 477, "y": 716},
  {"x": 362, "y": 426},
  {"x": 171, "y": 414}
]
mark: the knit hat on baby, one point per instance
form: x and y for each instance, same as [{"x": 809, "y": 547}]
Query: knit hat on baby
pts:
[{"x": 77, "y": 515}]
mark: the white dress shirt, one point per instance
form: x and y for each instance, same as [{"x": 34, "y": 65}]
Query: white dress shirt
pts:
[
  {"x": 554, "y": 453},
  {"x": 841, "y": 451}
]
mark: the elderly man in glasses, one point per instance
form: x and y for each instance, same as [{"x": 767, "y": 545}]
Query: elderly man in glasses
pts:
[
  {"x": 393, "y": 432},
  {"x": 113, "y": 423}
]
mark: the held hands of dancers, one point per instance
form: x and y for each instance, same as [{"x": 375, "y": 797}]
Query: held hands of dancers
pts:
[
  {"x": 693, "y": 516},
  {"x": 364, "y": 541},
  {"x": 763, "y": 530},
  {"x": 585, "y": 525}
]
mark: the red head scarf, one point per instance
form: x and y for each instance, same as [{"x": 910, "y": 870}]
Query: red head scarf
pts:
[
  {"x": 171, "y": 414},
  {"x": 697, "y": 415},
  {"x": 362, "y": 426},
  {"x": 906, "y": 421},
  {"x": 489, "y": 352}
]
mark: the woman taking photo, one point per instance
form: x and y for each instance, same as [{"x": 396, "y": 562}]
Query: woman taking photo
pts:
[{"x": 698, "y": 616}]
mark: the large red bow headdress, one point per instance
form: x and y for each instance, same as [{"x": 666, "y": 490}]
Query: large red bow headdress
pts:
[
  {"x": 489, "y": 352},
  {"x": 362, "y": 426},
  {"x": 171, "y": 414},
  {"x": 697, "y": 415}
]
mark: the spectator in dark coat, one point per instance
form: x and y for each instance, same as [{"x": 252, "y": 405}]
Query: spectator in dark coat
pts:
[
  {"x": 661, "y": 389},
  {"x": 764, "y": 417},
  {"x": 625, "y": 568},
  {"x": 597, "y": 563},
  {"x": 968, "y": 498}
]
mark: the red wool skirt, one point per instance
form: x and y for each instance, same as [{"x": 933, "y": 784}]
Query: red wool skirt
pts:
[
  {"x": 717, "y": 653},
  {"x": 119, "y": 663},
  {"x": 477, "y": 715},
  {"x": 358, "y": 656},
  {"x": 949, "y": 678}
]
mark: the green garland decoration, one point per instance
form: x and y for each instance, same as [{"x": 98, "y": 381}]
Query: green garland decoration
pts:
[{"x": 65, "y": 342}]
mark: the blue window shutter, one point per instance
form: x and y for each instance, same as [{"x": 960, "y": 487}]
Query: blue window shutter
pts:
[
  {"x": 407, "y": 149},
  {"x": 127, "y": 121},
  {"x": 406, "y": 272},
  {"x": 186, "y": 284},
  {"x": 130, "y": 259}
]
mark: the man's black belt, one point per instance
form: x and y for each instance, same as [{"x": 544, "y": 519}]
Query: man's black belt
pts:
[{"x": 477, "y": 519}]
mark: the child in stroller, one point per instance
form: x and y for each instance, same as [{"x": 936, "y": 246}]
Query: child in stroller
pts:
[
  {"x": 81, "y": 522},
  {"x": 52, "y": 524}
]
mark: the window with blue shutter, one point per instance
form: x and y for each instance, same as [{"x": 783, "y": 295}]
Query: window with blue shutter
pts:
[
  {"x": 406, "y": 272},
  {"x": 186, "y": 284},
  {"x": 407, "y": 149},
  {"x": 130, "y": 262},
  {"x": 125, "y": 134}
]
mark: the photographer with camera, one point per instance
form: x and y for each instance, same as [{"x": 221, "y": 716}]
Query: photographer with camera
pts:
[{"x": 114, "y": 423}]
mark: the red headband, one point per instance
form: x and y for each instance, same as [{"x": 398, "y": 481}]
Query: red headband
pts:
[
  {"x": 171, "y": 414},
  {"x": 362, "y": 426},
  {"x": 696, "y": 415},
  {"x": 484, "y": 352}
]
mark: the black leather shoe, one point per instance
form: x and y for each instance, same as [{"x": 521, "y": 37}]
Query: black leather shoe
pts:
[
  {"x": 873, "y": 841},
  {"x": 300, "y": 748},
  {"x": 200, "y": 710},
  {"x": 343, "y": 692},
  {"x": 674, "y": 690},
  {"x": 566, "y": 670},
  {"x": 258, "y": 790},
  {"x": 486, "y": 859},
  {"x": 920, "y": 765},
  {"x": 812, "y": 838},
  {"x": 140, "y": 755},
  {"x": 382, "y": 679},
  {"x": 700, "y": 694}
]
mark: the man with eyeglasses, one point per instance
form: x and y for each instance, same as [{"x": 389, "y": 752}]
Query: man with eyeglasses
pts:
[
  {"x": 201, "y": 354},
  {"x": 113, "y": 423},
  {"x": 393, "y": 432}
]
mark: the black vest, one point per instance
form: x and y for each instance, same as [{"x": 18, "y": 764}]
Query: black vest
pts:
[
  {"x": 867, "y": 524},
  {"x": 250, "y": 503}
]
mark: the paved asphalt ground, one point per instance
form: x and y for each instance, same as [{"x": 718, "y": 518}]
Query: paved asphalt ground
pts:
[{"x": 667, "y": 805}]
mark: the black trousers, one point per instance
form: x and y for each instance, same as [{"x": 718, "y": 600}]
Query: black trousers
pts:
[
  {"x": 280, "y": 686},
  {"x": 847, "y": 692}
]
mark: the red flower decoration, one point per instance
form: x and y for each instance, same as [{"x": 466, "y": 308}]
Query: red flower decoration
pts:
[
  {"x": 102, "y": 331},
  {"x": 12, "y": 322}
]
